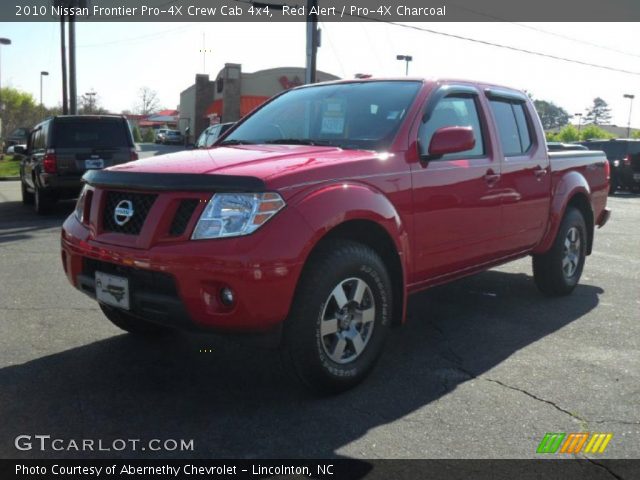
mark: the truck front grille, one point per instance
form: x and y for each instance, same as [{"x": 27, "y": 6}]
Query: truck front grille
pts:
[{"x": 182, "y": 216}]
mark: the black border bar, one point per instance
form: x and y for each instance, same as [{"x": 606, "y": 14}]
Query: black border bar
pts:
[{"x": 567, "y": 468}]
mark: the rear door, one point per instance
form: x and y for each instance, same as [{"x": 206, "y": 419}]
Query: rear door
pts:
[
  {"x": 526, "y": 173},
  {"x": 83, "y": 143}
]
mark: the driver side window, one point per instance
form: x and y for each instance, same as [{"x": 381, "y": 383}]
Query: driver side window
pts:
[{"x": 454, "y": 111}]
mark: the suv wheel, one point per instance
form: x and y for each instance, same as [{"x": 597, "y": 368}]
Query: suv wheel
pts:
[
  {"x": 27, "y": 196},
  {"x": 340, "y": 317},
  {"x": 558, "y": 271},
  {"x": 131, "y": 324},
  {"x": 42, "y": 201}
]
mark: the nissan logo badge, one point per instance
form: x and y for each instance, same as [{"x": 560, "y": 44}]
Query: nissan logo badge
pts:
[{"x": 123, "y": 212}]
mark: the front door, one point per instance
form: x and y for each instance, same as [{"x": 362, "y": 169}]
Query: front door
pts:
[{"x": 457, "y": 214}]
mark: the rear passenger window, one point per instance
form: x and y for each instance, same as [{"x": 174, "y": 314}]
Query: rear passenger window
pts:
[
  {"x": 513, "y": 127},
  {"x": 454, "y": 112}
]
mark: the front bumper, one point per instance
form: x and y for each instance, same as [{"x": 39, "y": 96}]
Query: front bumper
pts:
[{"x": 179, "y": 284}]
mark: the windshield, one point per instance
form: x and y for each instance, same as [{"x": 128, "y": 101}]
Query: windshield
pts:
[{"x": 363, "y": 115}]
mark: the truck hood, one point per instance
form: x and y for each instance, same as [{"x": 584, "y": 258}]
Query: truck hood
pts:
[{"x": 276, "y": 165}]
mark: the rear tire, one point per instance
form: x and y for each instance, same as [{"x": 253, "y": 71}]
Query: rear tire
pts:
[
  {"x": 339, "y": 319},
  {"x": 131, "y": 324},
  {"x": 27, "y": 196},
  {"x": 42, "y": 201},
  {"x": 558, "y": 271}
]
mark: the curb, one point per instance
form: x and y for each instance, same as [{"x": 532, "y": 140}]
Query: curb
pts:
[{"x": 7, "y": 179}]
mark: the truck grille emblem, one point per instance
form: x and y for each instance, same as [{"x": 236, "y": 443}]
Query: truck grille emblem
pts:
[{"x": 123, "y": 212}]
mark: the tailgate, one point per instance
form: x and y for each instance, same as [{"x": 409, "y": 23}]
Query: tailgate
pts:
[{"x": 76, "y": 161}]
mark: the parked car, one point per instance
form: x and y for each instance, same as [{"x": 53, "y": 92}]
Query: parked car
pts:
[
  {"x": 18, "y": 136},
  {"x": 61, "y": 149},
  {"x": 561, "y": 147},
  {"x": 210, "y": 134},
  {"x": 316, "y": 217},
  {"x": 160, "y": 134},
  {"x": 174, "y": 137},
  {"x": 624, "y": 156}
]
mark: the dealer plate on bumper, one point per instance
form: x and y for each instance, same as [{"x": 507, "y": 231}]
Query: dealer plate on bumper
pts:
[{"x": 112, "y": 290}]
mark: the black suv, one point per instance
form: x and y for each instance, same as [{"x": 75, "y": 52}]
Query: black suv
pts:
[
  {"x": 61, "y": 149},
  {"x": 624, "y": 158}
]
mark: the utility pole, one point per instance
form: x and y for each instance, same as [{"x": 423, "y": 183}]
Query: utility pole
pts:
[
  {"x": 73, "y": 93},
  {"x": 63, "y": 57},
  {"x": 313, "y": 41}
]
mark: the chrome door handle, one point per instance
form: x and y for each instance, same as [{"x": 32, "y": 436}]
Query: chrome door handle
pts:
[
  {"x": 491, "y": 177},
  {"x": 540, "y": 172}
]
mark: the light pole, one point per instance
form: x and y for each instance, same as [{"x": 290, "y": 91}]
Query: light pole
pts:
[
  {"x": 42, "y": 74},
  {"x": 579, "y": 115},
  {"x": 407, "y": 59},
  {"x": 92, "y": 98},
  {"x": 630, "y": 97},
  {"x": 3, "y": 41}
]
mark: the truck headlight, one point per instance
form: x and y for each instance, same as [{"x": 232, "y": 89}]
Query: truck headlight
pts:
[{"x": 235, "y": 214}]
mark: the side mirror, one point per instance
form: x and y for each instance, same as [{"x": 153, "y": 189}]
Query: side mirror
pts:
[{"x": 448, "y": 140}]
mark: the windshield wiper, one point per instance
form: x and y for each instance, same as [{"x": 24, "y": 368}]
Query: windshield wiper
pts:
[{"x": 236, "y": 142}]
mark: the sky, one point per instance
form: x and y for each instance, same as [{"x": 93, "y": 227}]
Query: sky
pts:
[{"x": 117, "y": 59}]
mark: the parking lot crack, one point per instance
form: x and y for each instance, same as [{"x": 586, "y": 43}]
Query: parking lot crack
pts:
[
  {"x": 604, "y": 467},
  {"x": 539, "y": 399}
]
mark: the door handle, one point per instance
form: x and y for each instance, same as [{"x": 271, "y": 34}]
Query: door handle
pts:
[
  {"x": 491, "y": 177},
  {"x": 540, "y": 172}
]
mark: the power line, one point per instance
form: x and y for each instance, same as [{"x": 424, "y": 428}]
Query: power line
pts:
[
  {"x": 140, "y": 37},
  {"x": 500, "y": 45},
  {"x": 541, "y": 30},
  {"x": 573, "y": 39}
]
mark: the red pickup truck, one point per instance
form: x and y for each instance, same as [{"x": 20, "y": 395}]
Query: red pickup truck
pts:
[{"x": 313, "y": 218}]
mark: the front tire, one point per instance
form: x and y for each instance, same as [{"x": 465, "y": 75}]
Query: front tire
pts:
[
  {"x": 131, "y": 324},
  {"x": 558, "y": 271},
  {"x": 340, "y": 317}
]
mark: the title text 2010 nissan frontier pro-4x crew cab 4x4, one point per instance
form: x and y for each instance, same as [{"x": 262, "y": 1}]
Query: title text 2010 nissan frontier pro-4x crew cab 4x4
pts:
[{"x": 313, "y": 218}]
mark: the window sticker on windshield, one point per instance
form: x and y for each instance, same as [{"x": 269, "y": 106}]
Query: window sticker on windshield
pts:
[
  {"x": 333, "y": 125},
  {"x": 393, "y": 115},
  {"x": 333, "y": 118}
]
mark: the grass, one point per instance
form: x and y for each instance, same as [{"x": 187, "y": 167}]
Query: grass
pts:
[{"x": 10, "y": 166}]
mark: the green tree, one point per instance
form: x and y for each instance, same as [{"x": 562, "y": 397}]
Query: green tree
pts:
[
  {"x": 569, "y": 134},
  {"x": 636, "y": 134},
  {"x": 149, "y": 136},
  {"x": 593, "y": 131},
  {"x": 552, "y": 136},
  {"x": 19, "y": 109},
  {"x": 599, "y": 113},
  {"x": 551, "y": 115},
  {"x": 136, "y": 134}
]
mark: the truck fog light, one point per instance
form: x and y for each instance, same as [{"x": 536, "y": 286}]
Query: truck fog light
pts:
[{"x": 227, "y": 296}]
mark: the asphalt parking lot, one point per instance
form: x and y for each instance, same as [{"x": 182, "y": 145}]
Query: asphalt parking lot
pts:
[{"x": 483, "y": 369}]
